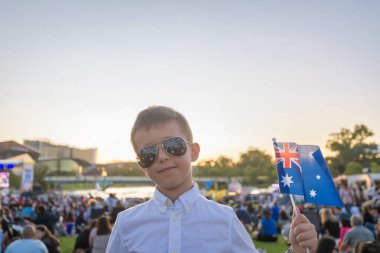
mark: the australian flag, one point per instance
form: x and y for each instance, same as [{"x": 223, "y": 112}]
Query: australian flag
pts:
[{"x": 302, "y": 170}]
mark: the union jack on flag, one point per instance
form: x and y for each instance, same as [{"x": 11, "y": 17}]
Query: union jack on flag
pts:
[
  {"x": 287, "y": 153},
  {"x": 314, "y": 181}
]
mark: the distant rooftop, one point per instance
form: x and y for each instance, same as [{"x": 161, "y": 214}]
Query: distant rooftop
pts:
[{"x": 11, "y": 148}]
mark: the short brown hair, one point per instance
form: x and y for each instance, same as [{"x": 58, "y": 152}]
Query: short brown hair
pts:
[
  {"x": 158, "y": 116},
  {"x": 29, "y": 232}
]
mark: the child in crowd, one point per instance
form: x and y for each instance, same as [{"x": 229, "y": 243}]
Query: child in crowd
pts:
[{"x": 178, "y": 218}]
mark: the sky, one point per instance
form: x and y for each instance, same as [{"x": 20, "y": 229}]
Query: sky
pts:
[{"x": 242, "y": 72}]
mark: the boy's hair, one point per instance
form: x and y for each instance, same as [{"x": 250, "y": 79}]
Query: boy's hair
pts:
[{"x": 158, "y": 116}]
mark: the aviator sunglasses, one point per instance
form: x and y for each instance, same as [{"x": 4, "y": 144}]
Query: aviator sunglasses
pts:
[{"x": 175, "y": 146}]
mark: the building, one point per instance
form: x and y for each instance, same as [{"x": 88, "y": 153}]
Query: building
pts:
[
  {"x": 62, "y": 160},
  {"x": 11, "y": 149},
  {"x": 49, "y": 151},
  {"x": 15, "y": 161}
]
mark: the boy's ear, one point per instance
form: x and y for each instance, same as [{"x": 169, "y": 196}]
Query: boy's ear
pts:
[{"x": 195, "y": 149}]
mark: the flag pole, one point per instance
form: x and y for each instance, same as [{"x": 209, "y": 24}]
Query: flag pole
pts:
[{"x": 295, "y": 208}]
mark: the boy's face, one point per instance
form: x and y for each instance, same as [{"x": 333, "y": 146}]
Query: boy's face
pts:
[{"x": 171, "y": 173}]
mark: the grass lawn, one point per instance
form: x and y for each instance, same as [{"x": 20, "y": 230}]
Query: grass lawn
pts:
[
  {"x": 67, "y": 245},
  {"x": 272, "y": 247}
]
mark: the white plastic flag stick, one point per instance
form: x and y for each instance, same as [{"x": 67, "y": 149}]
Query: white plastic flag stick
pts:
[
  {"x": 295, "y": 208},
  {"x": 297, "y": 212}
]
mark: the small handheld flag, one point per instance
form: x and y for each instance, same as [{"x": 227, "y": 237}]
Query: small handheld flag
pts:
[{"x": 302, "y": 170}]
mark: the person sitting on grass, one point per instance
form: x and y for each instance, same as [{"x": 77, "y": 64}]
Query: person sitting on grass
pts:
[
  {"x": 82, "y": 242},
  {"x": 367, "y": 247},
  {"x": 103, "y": 233},
  {"x": 28, "y": 243},
  {"x": 50, "y": 241},
  {"x": 327, "y": 244},
  {"x": 267, "y": 228},
  {"x": 357, "y": 233}
]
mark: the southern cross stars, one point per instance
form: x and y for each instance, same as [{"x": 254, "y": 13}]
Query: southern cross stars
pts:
[
  {"x": 318, "y": 177},
  {"x": 313, "y": 193},
  {"x": 287, "y": 180}
]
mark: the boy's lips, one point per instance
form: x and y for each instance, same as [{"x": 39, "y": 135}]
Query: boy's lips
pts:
[{"x": 166, "y": 169}]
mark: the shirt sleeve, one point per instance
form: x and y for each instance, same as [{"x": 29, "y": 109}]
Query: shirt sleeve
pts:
[
  {"x": 239, "y": 237},
  {"x": 114, "y": 243}
]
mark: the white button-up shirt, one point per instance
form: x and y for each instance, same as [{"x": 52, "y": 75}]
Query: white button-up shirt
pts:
[{"x": 190, "y": 224}]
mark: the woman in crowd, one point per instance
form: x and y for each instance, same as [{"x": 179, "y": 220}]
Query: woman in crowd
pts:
[
  {"x": 367, "y": 214},
  {"x": 330, "y": 224},
  {"x": 103, "y": 233},
  {"x": 344, "y": 225},
  {"x": 326, "y": 245},
  {"x": 368, "y": 247},
  {"x": 82, "y": 244},
  {"x": 348, "y": 196},
  {"x": 50, "y": 241},
  {"x": 283, "y": 220}
]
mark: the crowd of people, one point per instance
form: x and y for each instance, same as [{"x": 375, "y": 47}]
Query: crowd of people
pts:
[
  {"x": 37, "y": 221},
  {"x": 353, "y": 228}
]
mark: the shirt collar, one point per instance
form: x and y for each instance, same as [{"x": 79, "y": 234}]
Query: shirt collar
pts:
[{"x": 186, "y": 200}]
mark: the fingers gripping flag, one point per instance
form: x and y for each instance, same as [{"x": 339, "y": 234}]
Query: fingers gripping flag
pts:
[{"x": 302, "y": 170}]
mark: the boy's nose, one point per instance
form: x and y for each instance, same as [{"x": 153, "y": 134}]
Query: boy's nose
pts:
[{"x": 162, "y": 155}]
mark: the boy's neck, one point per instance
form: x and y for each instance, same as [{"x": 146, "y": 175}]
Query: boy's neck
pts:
[{"x": 173, "y": 195}]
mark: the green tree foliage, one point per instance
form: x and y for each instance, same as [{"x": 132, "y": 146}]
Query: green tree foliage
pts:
[
  {"x": 350, "y": 146},
  {"x": 375, "y": 167},
  {"x": 254, "y": 166},
  {"x": 221, "y": 167},
  {"x": 128, "y": 169},
  {"x": 353, "y": 168},
  {"x": 258, "y": 167},
  {"x": 14, "y": 181},
  {"x": 40, "y": 171}
]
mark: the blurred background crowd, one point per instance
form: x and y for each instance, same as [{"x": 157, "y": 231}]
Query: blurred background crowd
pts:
[{"x": 266, "y": 216}]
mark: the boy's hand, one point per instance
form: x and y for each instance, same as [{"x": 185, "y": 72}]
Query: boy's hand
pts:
[{"x": 302, "y": 234}]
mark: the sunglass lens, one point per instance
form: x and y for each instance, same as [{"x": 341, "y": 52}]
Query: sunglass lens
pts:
[
  {"x": 147, "y": 155},
  {"x": 175, "y": 146}
]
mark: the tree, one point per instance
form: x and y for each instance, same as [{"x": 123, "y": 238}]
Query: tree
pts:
[
  {"x": 222, "y": 167},
  {"x": 258, "y": 167},
  {"x": 40, "y": 171},
  {"x": 353, "y": 168},
  {"x": 14, "y": 180},
  {"x": 350, "y": 146},
  {"x": 375, "y": 167}
]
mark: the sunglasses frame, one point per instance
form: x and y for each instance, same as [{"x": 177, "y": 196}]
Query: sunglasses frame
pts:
[{"x": 161, "y": 142}]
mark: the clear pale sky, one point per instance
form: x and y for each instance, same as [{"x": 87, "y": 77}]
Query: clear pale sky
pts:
[{"x": 242, "y": 72}]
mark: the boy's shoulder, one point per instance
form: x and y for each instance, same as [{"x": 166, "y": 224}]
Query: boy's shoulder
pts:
[
  {"x": 137, "y": 209},
  {"x": 205, "y": 206},
  {"x": 215, "y": 206}
]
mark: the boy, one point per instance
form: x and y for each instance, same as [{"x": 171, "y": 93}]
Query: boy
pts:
[{"x": 178, "y": 219}]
